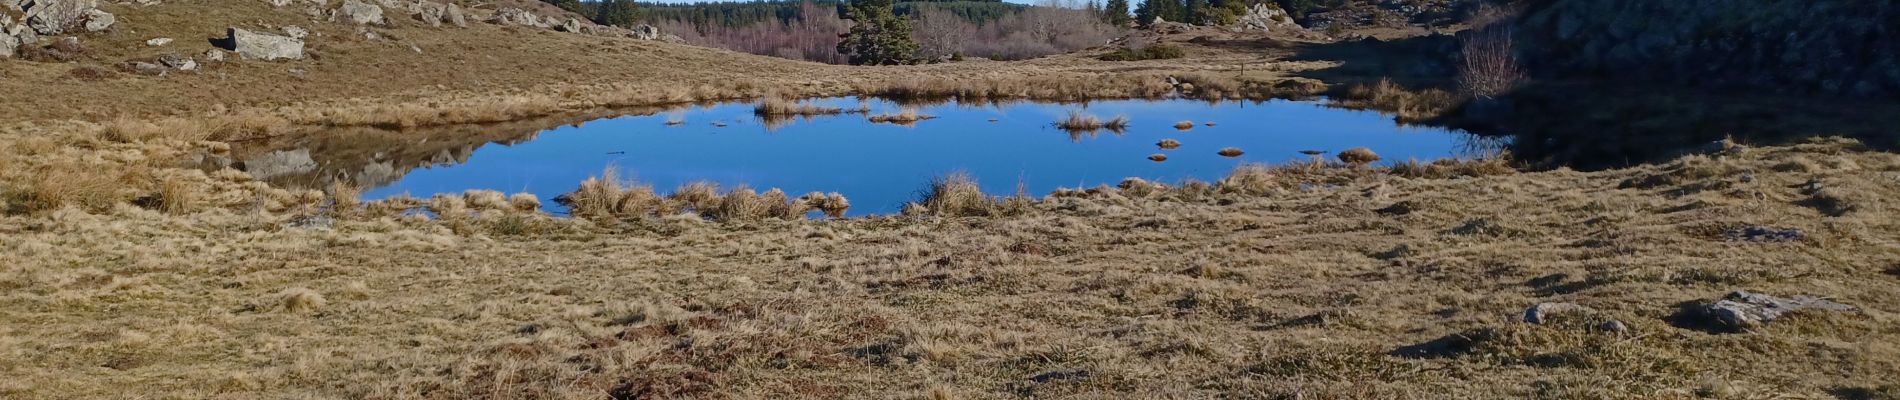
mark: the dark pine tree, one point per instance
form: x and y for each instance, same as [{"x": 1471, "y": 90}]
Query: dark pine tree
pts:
[{"x": 877, "y": 35}]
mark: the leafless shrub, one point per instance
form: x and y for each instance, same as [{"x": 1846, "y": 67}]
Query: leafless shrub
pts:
[{"x": 1491, "y": 66}]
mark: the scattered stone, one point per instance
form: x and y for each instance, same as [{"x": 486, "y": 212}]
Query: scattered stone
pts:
[
  {"x": 1744, "y": 309},
  {"x": 361, "y": 13},
  {"x": 1757, "y": 233},
  {"x": 98, "y": 20},
  {"x": 144, "y": 68},
  {"x": 178, "y": 62},
  {"x": 296, "y": 32},
  {"x": 432, "y": 13},
  {"x": 10, "y": 35},
  {"x": 155, "y": 42},
  {"x": 214, "y": 55},
  {"x": 259, "y": 46},
  {"x": 1544, "y": 312},
  {"x": 1614, "y": 326},
  {"x": 572, "y": 25}
]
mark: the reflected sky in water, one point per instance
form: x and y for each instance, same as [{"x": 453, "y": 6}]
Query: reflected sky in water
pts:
[{"x": 881, "y": 166}]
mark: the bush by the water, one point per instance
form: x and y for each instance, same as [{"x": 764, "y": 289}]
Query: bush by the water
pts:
[{"x": 1155, "y": 52}]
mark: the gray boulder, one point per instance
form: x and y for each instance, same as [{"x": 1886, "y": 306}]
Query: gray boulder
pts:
[
  {"x": 361, "y": 13},
  {"x": 1744, "y": 309},
  {"x": 432, "y": 13},
  {"x": 296, "y": 32},
  {"x": 259, "y": 46},
  {"x": 453, "y": 15},
  {"x": 53, "y": 17},
  {"x": 97, "y": 20},
  {"x": 572, "y": 25},
  {"x": 9, "y": 41}
]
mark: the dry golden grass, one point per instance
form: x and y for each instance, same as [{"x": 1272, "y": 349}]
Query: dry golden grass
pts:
[{"x": 1142, "y": 290}]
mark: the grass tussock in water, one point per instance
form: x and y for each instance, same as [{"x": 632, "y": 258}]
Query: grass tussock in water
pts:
[
  {"x": 609, "y": 198},
  {"x": 1168, "y": 144},
  {"x": 781, "y": 107},
  {"x": 906, "y": 117},
  {"x": 1388, "y": 96},
  {"x": 1231, "y": 152},
  {"x": 1184, "y": 125},
  {"x": 1358, "y": 156},
  {"x": 1077, "y": 121},
  {"x": 1158, "y": 157}
]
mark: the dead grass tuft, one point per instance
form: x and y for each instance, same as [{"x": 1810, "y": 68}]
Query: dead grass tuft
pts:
[
  {"x": 1390, "y": 97},
  {"x": 1184, "y": 125},
  {"x": 702, "y": 196},
  {"x": 1358, "y": 156},
  {"x": 300, "y": 300},
  {"x": 774, "y": 106},
  {"x": 486, "y": 200},
  {"x": 1158, "y": 157},
  {"x": 1168, "y": 144},
  {"x": 1231, "y": 152},
  {"x": 176, "y": 197},
  {"x": 524, "y": 202},
  {"x": 956, "y": 195}
]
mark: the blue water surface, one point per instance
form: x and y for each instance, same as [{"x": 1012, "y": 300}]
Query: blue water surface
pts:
[{"x": 882, "y": 166}]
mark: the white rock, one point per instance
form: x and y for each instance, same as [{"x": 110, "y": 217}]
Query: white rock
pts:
[
  {"x": 260, "y": 46},
  {"x": 155, "y": 42}
]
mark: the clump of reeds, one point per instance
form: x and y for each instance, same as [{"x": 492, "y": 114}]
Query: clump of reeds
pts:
[
  {"x": 700, "y": 195},
  {"x": 1249, "y": 179},
  {"x": 345, "y": 197},
  {"x": 740, "y": 204},
  {"x": 1184, "y": 125},
  {"x": 1077, "y": 121},
  {"x": 1158, "y": 157},
  {"x": 781, "y": 206},
  {"x": 175, "y": 196},
  {"x": 956, "y": 195},
  {"x": 1168, "y": 144},
  {"x": 524, "y": 202},
  {"x": 1231, "y": 152},
  {"x": 486, "y": 200},
  {"x": 1358, "y": 156},
  {"x": 773, "y": 106}
]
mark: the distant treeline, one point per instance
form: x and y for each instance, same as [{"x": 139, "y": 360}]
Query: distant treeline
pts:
[
  {"x": 732, "y": 15},
  {"x": 810, "y": 29}
]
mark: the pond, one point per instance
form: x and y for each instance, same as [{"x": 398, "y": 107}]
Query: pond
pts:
[{"x": 879, "y": 166}]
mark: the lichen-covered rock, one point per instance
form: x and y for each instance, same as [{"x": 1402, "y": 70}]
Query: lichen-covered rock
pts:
[
  {"x": 1744, "y": 309},
  {"x": 260, "y": 46},
  {"x": 361, "y": 13}
]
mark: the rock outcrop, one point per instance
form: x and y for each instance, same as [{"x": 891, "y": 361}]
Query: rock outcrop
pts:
[
  {"x": 54, "y": 17},
  {"x": 1265, "y": 17},
  {"x": 260, "y": 46},
  {"x": 1838, "y": 47}
]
